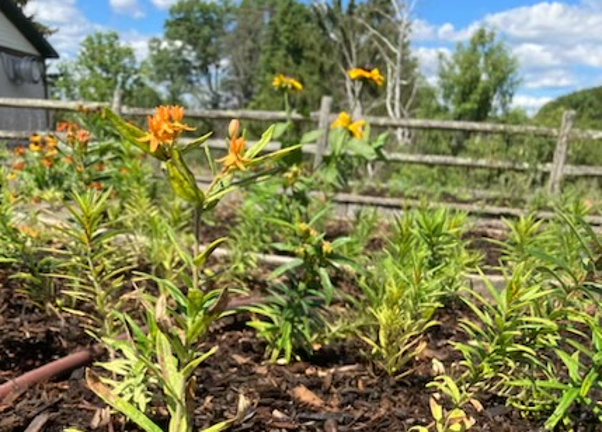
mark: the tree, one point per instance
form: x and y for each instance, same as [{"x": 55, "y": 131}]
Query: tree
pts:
[
  {"x": 479, "y": 80},
  {"x": 102, "y": 66},
  {"x": 190, "y": 59},
  {"x": 294, "y": 46},
  {"x": 243, "y": 47}
]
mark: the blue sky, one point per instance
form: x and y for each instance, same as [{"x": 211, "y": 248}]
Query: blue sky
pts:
[{"x": 558, "y": 43}]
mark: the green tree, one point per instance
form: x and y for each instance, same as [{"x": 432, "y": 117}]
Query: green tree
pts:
[
  {"x": 478, "y": 82},
  {"x": 243, "y": 47},
  {"x": 190, "y": 59},
  {"x": 293, "y": 45},
  {"x": 102, "y": 66}
]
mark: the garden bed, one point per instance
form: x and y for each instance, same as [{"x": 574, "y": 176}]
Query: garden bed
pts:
[{"x": 337, "y": 390}]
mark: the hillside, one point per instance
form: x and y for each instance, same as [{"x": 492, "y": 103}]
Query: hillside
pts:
[{"x": 587, "y": 103}]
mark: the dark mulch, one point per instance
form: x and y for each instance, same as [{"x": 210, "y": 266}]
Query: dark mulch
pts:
[{"x": 335, "y": 390}]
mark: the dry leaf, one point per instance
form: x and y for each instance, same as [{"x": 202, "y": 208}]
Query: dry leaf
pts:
[
  {"x": 306, "y": 396},
  {"x": 240, "y": 360}
]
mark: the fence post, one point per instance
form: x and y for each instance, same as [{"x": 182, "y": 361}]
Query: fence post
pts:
[
  {"x": 324, "y": 125},
  {"x": 116, "y": 102},
  {"x": 560, "y": 153}
]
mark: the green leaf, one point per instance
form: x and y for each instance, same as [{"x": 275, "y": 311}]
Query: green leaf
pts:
[
  {"x": 195, "y": 143},
  {"x": 589, "y": 380},
  {"x": 295, "y": 262},
  {"x": 266, "y": 137},
  {"x": 191, "y": 366},
  {"x": 279, "y": 129},
  {"x": 131, "y": 412},
  {"x": 278, "y": 154},
  {"x": 182, "y": 180},
  {"x": 326, "y": 284},
  {"x": 311, "y": 136},
  {"x": 563, "y": 406},
  {"x": 204, "y": 256}
]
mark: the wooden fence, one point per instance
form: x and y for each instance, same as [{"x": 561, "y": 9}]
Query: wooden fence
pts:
[{"x": 557, "y": 169}]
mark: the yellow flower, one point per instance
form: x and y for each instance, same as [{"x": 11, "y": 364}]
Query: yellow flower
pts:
[
  {"x": 373, "y": 75},
  {"x": 35, "y": 147},
  {"x": 356, "y": 128},
  {"x": 11, "y": 176},
  {"x": 234, "y": 158},
  {"x": 51, "y": 142},
  {"x": 286, "y": 83},
  {"x": 165, "y": 126}
]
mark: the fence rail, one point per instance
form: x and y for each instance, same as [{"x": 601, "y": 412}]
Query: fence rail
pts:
[{"x": 557, "y": 169}]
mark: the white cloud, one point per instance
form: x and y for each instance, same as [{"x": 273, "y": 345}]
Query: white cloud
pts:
[
  {"x": 428, "y": 59},
  {"x": 65, "y": 16},
  {"x": 551, "y": 22},
  {"x": 531, "y": 104},
  {"x": 138, "y": 42},
  {"x": 550, "y": 79},
  {"x": 163, "y": 4},
  {"x": 127, "y": 7}
]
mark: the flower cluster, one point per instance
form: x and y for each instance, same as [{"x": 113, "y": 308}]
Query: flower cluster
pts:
[
  {"x": 165, "y": 126},
  {"x": 283, "y": 82},
  {"x": 235, "y": 158},
  {"x": 373, "y": 75},
  {"x": 74, "y": 134},
  {"x": 356, "y": 128}
]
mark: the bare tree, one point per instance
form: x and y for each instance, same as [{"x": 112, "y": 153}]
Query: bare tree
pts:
[{"x": 392, "y": 41}]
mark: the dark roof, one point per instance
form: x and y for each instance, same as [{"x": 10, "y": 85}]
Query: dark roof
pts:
[{"x": 27, "y": 28}]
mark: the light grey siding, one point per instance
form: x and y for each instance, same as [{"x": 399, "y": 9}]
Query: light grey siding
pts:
[
  {"x": 12, "y": 38},
  {"x": 14, "y": 44},
  {"x": 19, "y": 118}
]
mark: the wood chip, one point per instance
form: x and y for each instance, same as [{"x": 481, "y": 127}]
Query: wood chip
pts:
[
  {"x": 240, "y": 360},
  {"x": 330, "y": 425},
  {"x": 306, "y": 396},
  {"x": 38, "y": 422}
]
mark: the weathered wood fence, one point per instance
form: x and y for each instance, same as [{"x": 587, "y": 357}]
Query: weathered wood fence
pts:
[{"x": 558, "y": 169}]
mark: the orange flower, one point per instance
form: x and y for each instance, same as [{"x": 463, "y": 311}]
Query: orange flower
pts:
[
  {"x": 373, "y": 75},
  {"x": 18, "y": 166},
  {"x": 356, "y": 128},
  {"x": 234, "y": 158},
  {"x": 164, "y": 127},
  {"x": 83, "y": 136},
  {"x": 124, "y": 170},
  {"x": 19, "y": 151},
  {"x": 68, "y": 159},
  {"x": 95, "y": 185},
  {"x": 99, "y": 166},
  {"x": 48, "y": 162}
]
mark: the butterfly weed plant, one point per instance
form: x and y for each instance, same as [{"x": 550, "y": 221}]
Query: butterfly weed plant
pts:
[
  {"x": 537, "y": 342},
  {"x": 166, "y": 347}
]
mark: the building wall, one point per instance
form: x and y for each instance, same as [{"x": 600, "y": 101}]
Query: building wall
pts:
[
  {"x": 11, "y": 37},
  {"x": 13, "y": 43}
]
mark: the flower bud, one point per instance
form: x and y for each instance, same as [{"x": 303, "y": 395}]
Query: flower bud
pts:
[{"x": 233, "y": 128}]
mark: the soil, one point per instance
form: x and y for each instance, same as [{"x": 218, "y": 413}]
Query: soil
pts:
[{"x": 335, "y": 390}]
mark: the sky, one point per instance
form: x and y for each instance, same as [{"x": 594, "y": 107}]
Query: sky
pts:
[{"x": 558, "y": 44}]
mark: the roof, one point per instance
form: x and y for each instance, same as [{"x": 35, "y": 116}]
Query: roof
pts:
[{"x": 27, "y": 28}]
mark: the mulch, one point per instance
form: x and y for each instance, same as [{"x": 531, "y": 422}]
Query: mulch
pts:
[{"x": 336, "y": 389}]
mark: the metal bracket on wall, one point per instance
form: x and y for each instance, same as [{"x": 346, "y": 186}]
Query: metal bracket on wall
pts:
[{"x": 20, "y": 70}]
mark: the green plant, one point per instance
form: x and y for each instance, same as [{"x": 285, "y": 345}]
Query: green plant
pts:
[
  {"x": 295, "y": 308},
  {"x": 169, "y": 346},
  {"x": 347, "y": 153},
  {"x": 91, "y": 264},
  {"x": 400, "y": 308}
]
